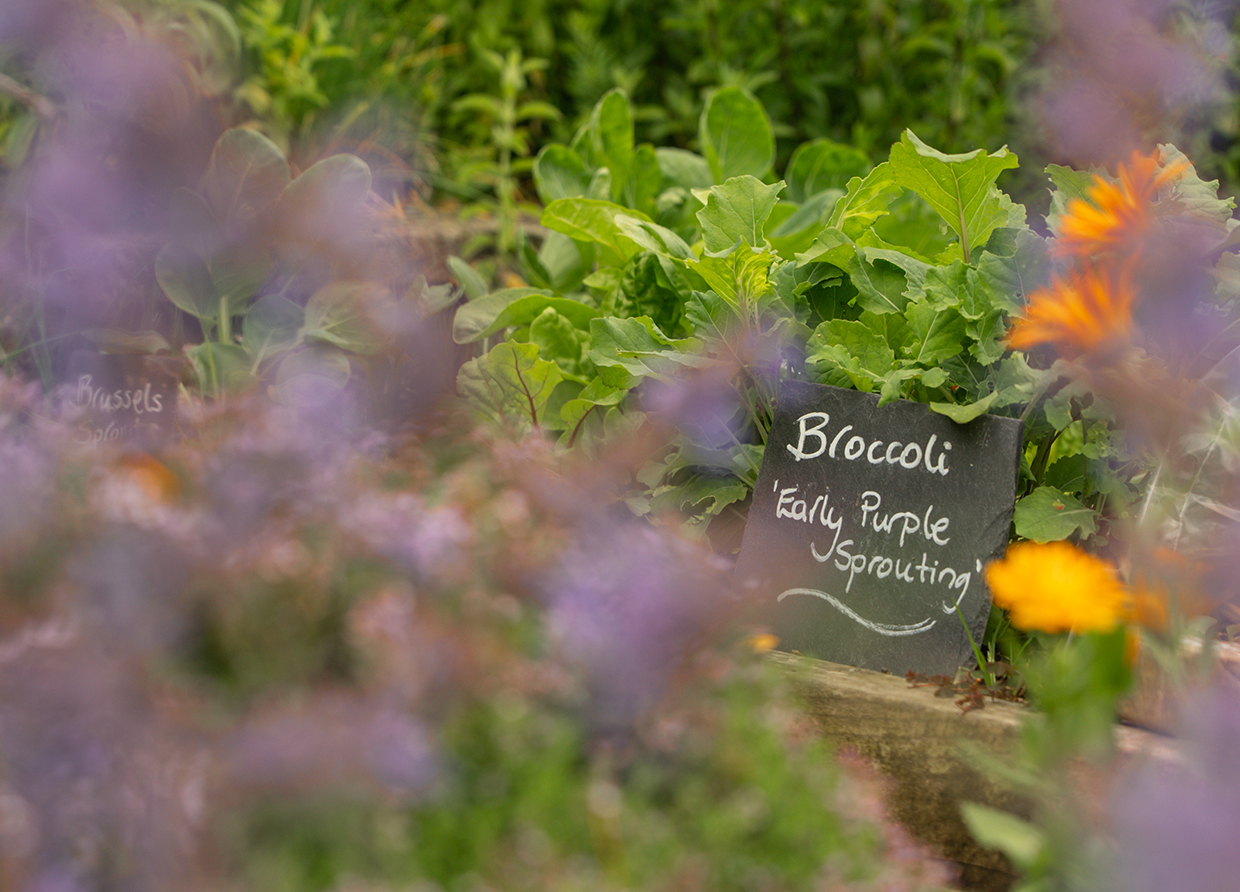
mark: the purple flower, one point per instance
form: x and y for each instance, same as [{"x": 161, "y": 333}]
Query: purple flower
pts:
[
  {"x": 332, "y": 742},
  {"x": 1117, "y": 71},
  {"x": 628, "y": 604},
  {"x": 1176, "y": 821}
]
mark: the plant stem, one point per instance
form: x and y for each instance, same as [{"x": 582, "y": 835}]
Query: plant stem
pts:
[
  {"x": 225, "y": 332},
  {"x": 987, "y": 675}
]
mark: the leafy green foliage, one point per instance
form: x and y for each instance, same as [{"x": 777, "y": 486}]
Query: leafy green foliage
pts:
[
  {"x": 284, "y": 88},
  {"x": 1047, "y": 515},
  {"x": 960, "y": 187},
  {"x": 249, "y": 236},
  {"x": 695, "y": 281},
  {"x": 898, "y": 281},
  {"x": 851, "y": 73}
]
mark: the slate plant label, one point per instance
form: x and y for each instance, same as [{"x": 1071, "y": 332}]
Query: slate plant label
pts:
[
  {"x": 870, "y": 527},
  {"x": 122, "y": 397}
]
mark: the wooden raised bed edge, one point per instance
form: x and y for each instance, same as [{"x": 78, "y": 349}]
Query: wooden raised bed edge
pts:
[{"x": 914, "y": 739}]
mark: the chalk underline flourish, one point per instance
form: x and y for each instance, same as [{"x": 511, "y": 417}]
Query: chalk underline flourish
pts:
[{"x": 888, "y": 629}]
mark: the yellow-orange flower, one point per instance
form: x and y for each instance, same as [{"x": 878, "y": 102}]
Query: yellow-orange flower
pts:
[
  {"x": 762, "y": 642},
  {"x": 1117, "y": 214},
  {"x": 1092, "y": 306},
  {"x": 1056, "y": 587}
]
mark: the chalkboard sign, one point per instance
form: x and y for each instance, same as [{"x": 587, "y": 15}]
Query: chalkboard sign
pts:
[
  {"x": 122, "y": 397},
  {"x": 870, "y": 526}
]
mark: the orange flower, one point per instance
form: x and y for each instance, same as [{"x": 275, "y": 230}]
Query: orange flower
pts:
[
  {"x": 1120, "y": 213},
  {"x": 159, "y": 482},
  {"x": 1056, "y": 587},
  {"x": 762, "y": 642},
  {"x": 1089, "y": 308}
]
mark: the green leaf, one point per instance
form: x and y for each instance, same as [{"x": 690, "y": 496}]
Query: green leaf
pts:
[
  {"x": 1198, "y": 197},
  {"x": 1016, "y": 838},
  {"x": 185, "y": 279},
  {"x": 237, "y": 274},
  {"x": 559, "y": 172},
  {"x": 865, "y": 201},
  {"x": 511, "y": 385},
  {"x": 1068, "y": 185},
  {"x": 645, "y": 182},
  {"x": 611, "y": 133},
  {"x": 852, "y": 348},
  {"x": 655, "y": 286},
  {"x": 311, "y": 377},
  {"x": 483, "y": 317},
  {"x": 708, "y": 495},
  {"x": 1048, "y": 515},
  {"x": 221, "y": 369},
  {"x": 1022, "y": 265},
  {"x": 246, "y": 174},
  {"x": 472, "y": 283},
  {"x": 608, "y": 389},
  {"x": 736, "y": 135},
  {"x": 558, "y": 339},
  {"x": 591, "y": 220},
  {"x": 638, "y": 346},
  {"x": 939, "y": 330},
  {"x": 741, "y": 277},
  {"x": 655, "y": 238},
  {"x": 915, "y": 270},
  {"x": 565, "y": 261},
  {"x": 429, "y": 299},
  {"x": 960, "y": 187},
  {"x": 966, "y": 413},
  {"x": 192, "y": 223},
  {"x": 737, "y": 210},
  {"x": 798, "y": 231},
  {"x": 882, "y": 286},
  {"x": 272, "y": 325},
  {"x": 831, "y": 246},
  {"x": 892, "y": 327},
  {"x": 115, "y": 340},
  {"x": 349, "y": 315},
  {"x": 536, "y": 109},
  {"x": 329, "y": 192},
  {"x": 820, "y": 165},
  {"x": 685, "y": 169}
]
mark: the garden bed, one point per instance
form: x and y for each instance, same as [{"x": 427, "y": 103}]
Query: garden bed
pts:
[{"x": 921, "y": 743}]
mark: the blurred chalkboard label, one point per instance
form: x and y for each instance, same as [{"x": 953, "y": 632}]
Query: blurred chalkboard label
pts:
[
  {"x": 870, "y": 527},
  {"x": 122, "y": 398}
]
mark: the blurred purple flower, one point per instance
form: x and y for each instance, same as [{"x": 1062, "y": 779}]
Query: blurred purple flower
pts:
[
  {"x": 1122, "y": 78},
  {"x": 1175, "y": 823},
  {"x": 131, "y": 585},
  {"x": 27, "y": 468},
  {"x": 401, "y": 529},
  {"x": 33, "y": 21},
  {"x": 107, "y": 787},
  {"x": 628, "y": 604},
  {"x": 704, "y": 406},
  {"x": 126, "y": 129},
  {"x": 332, "y": 742}
]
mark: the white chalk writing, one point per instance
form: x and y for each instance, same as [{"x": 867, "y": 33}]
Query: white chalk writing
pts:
[
  {"x": 812, "y": 442},
  {"x": 138, "y": 401}
]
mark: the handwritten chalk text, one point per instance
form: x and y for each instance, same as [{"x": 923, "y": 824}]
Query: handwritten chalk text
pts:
[
  {"x": 139, "y": 401},
  {"x": 813, "y": 442}
]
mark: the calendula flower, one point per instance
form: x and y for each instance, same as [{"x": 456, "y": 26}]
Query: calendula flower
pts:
[
  {"x": 1089, "y": 307},
  {"x": 1117, "y": 214},
  {"x": 762, "y": 642},
  {"x": 1057, "y": 587}
]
